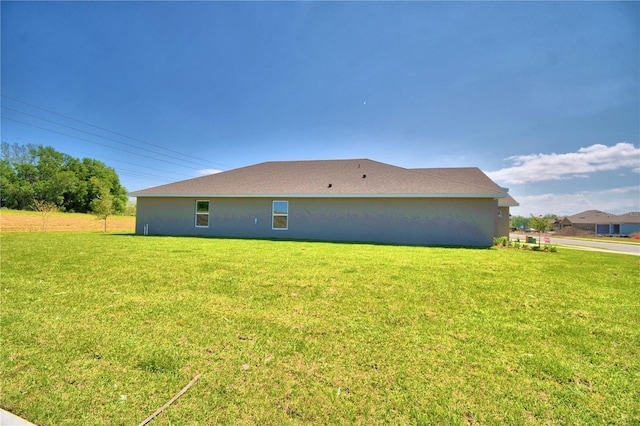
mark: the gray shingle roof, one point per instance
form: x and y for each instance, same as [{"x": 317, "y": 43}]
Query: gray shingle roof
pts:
[
  {"x": 333, "y": 178},
  {"x": 597, "y": 216},
  {"x": 471, "y": 175},
  {"x": 508, "y": 201}
]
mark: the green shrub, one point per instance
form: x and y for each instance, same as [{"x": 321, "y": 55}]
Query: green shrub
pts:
[{"x": 501, "y": 241}]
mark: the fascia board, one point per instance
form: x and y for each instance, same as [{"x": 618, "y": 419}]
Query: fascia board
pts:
[{"x": 280, "y": 195}]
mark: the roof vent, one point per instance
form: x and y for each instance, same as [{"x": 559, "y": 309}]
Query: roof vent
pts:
[
  {"x": 364, "y": 176},
  {"x": 329, "y": 186}
]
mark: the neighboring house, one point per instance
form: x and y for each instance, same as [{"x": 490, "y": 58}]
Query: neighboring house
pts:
[
  {"x": 603, "y": 223},
  {"x": 331, "y": 200},
  {"x": 558, "y": 222}
]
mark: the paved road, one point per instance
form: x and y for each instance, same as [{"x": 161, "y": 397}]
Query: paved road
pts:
[{"x": 623, "y": 248}]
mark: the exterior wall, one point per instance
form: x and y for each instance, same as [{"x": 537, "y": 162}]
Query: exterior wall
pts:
[
  {"x": 436, "y": 221},
  {"x": 585, "y": 226},
  {"x": 617, "y": 228},
  {"x": 629, "y": 228},
  {"x": 612, "y": 228},
  {"x": 502, "y": 222}
]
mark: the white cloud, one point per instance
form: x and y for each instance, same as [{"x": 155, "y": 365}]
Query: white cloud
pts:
[
  {"x": 542, "y": 167},
  {"x": 613, "y": 200},
  {"x": 205, "y": 172}
]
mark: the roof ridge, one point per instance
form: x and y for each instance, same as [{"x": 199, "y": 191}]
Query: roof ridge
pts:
[{"x": 318, "y": 161}]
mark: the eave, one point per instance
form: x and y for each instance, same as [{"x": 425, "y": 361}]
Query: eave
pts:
[{"x": 286, "y": 195}]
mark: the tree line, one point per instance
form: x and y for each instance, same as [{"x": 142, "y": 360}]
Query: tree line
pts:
[
  {"x": 33, "y": 177},
  {"x": 534, "y": 222}
]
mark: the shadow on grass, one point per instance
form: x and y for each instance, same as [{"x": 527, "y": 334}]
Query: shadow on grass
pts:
[{"x": 301, "y": 240}]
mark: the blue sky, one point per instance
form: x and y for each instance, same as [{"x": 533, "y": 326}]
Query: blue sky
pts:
[{"x": 542, "y": 96}]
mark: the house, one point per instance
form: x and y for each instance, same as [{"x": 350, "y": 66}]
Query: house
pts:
[
  {"x": 473, "y": 175},
  {"x": 558, "y": 222},
  {"x": 603, "y": 223},
  {"x": 331, "y": 200}
]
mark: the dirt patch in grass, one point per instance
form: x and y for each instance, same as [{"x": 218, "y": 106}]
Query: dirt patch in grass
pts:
[
  {"x": 570, "y": 231},
  {"x": 26, "y": 221}
]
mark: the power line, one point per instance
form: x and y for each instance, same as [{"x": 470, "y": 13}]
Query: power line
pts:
[
  {"x": 103, "y": 158},
  {"x": 122, "y": 171},
  {"x": 100, "y": 136},
  {"x": 138, "y": 174},
  {"x": 133, "y": 173},
  {"x": 107, "y": 130},
  {"x": 96, "y": 143}
]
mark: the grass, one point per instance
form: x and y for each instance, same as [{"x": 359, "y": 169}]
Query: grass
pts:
[{"x": 106, "y": 328}]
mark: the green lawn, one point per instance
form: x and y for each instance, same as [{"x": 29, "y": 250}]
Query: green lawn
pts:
[{"x": 106, "y": 328}]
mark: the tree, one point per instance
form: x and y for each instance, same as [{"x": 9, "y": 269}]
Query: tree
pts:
[
  {"x": 54, "y": 180},
  {"x": 519, "y": 222},
  {"x": 102, "y": 205},
  {"x": 540, "y": 224},
  {"x": 15, "y": 159},
  {"x": 525, "y": 222},
  {"x": 16, "y": 153},
  {"x": 34, "y": 172},
  {"x": 17, "y": 173},
  {"x": 45, "y": 208},
  {"x": 130, "y": 210},
  {"x": 96, "y": 171}
]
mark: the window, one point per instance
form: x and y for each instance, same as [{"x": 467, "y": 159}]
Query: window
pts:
[
  {"x": 202, "y": 214},
  {"x": 280, "y": 215}
]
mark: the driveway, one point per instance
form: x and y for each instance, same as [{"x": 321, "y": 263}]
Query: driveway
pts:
[{"x": 8, "y": 419}]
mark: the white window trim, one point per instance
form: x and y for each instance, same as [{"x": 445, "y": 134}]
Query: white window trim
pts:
[
  {"x": 273, "y": 215},
  {"x": 195, "y": 218}
]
